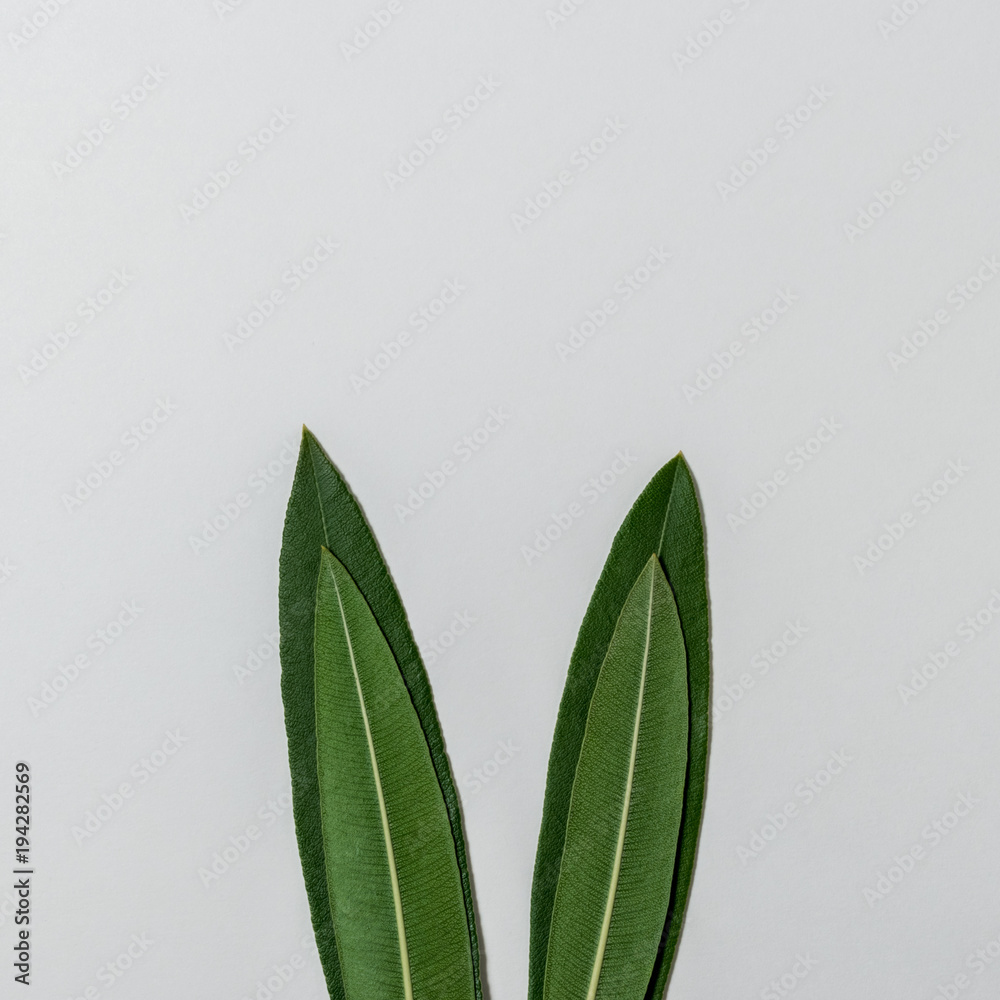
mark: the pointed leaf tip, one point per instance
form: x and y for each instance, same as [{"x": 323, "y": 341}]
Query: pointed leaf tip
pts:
[
  {"x": 666, "y": 518},
  {"x": 322, "y": 509}
]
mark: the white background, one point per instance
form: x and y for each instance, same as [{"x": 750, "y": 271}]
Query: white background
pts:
[{"x": 69, "y": 222}]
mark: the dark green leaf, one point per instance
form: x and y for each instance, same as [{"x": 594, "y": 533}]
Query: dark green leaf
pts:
[
  {"x": 665, "y": 519},
  {"x": 617, "y": 864},
  {"x": 323, "y": 512},
  {"x": 392, "y": 873}
]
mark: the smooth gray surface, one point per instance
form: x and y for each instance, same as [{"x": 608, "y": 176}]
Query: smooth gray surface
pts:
[{"x": 188, "y": 276}]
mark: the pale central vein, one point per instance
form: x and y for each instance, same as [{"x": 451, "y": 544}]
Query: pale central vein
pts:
[
  {"x": 397, "y": 901},
  {"x": 666, "y": 514},
  {"x": 613, "y": 888},
  {"x": 322, "y": 513}
]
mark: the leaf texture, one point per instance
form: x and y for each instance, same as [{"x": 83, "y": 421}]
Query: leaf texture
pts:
[
  {"x": 665, "y": 519},
  {"x": 392, "y": 873},
  {"x": 322, "y": 511},
  {"x": 625, "y": 809}
]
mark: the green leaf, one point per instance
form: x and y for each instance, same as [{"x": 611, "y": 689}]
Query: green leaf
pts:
[
  {"x": 322, "y": 511},
  {"x": 666, "y": 519},
  {"x": 617, "y": 864},
  {"x": 392, "y": 874}
]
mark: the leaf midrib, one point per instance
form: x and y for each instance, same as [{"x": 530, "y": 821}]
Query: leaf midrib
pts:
[
  {"x": 319, "y": 504},
  {"x": 616, "y": 870},
  {"x": 666, "y": 514},
  {"x": 393, "y": 878}
]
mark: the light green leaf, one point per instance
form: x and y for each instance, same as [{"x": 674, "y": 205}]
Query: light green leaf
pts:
[
  {"x": 625, "y": 809},
  {"x": 392, "y": 873},
  {"x": 322, "y": 511},
  {"x": 666, "y": 519}
]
